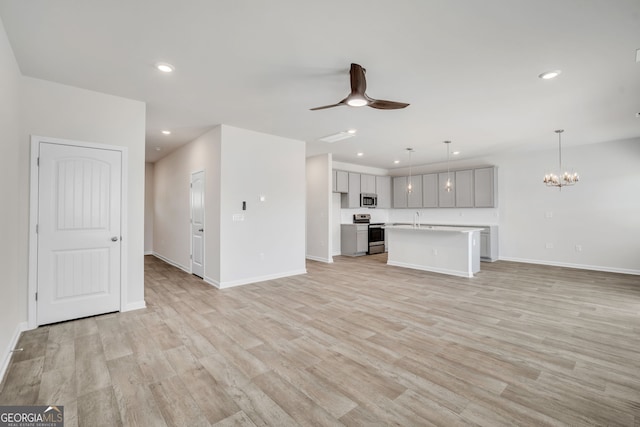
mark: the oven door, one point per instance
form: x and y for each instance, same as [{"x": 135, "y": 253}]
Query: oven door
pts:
[{"x": 376, "y": 239}]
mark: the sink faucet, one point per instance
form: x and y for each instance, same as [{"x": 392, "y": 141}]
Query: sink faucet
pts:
[{"x": 416, "y": 219}]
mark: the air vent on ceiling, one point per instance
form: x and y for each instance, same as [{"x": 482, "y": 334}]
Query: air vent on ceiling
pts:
[{"x": 336, "y": 137}]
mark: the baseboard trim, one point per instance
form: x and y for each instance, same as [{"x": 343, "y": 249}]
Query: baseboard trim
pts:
[
  {"x": 148, "y": 253},
  {"x": 320, "y": 259},
  {"x": 138, "y": 305},
  {"x": 6, "y": 357},
  {"x": 175, "y": 264},
  {"x": 247, "y": 281},
  {"x": 572, "y": 265}
]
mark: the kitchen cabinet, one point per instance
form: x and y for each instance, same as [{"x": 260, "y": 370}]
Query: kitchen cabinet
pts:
[
  {"x": 464, "y": 188},
  {"x": 354, "y": 239},
  {"x": 430, "y": 190},
  {"x": 399, "y": 191},
  {"x": 383, "y": 190},
  {"x": 340, "y": 181},
  {"x": 489, "y": 243},
  {"x": 367, "y": 184},
  {"x": 446, "y": 199},
  {"x": 401, "y": 197},
  {"x": 414, "y": 199},
  {"x": 485, "y": 187},
  {"x": 351, "y": 199}
]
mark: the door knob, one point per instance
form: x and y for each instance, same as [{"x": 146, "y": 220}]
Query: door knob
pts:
[
  {"x": 202, "y": 229},
  {"x": 114, "y": 239}
]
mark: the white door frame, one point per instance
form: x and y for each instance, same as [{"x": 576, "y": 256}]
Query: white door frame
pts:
[
  {"x": 191, "y": 222},
  {"x": 33, "y": 219}
]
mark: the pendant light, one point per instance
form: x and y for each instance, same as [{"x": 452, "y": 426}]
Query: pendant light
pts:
[
  {"x": 448, "y": 186},
  {"x": 409, "y": 185},
  {"x": 560, "y": 179}
]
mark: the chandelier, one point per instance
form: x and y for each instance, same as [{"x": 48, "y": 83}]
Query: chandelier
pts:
[{"x": 560, "y": 179}]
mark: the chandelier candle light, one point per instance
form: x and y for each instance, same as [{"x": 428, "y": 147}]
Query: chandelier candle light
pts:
[{"x": 561, "y": 179}]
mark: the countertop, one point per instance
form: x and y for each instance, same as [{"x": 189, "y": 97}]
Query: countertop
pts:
[{"x": 432, "y": 228}]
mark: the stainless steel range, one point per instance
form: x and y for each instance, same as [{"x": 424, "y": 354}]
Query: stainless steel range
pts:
[{"x": 376, "y": 233}]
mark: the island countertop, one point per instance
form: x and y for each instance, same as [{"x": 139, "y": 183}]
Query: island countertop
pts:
[
  {"x": 443, "y": 249},
  {"x": 460, "y": 229}
]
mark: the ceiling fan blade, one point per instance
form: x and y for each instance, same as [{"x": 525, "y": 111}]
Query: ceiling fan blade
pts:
[
  {"x": 358, "y": 81},
  {"x": 327, "y": 106},
  {"x": 381, "y": 104}
]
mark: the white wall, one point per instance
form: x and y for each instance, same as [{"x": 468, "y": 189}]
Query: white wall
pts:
[
  {"x": 319, "y": 191},
  {"x": 148, "y": 208},
  {"x": 239, "y": 165},
  {"x": 270, "y": 242},
  {"x": 59, "y": 111},
  {"x": 172, "y": 206},
  {"x": 601, "y": 213},
  {"x": 13, "y": 279}
]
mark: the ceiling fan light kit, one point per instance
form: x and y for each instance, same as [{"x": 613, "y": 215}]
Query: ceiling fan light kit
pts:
[{"x": 358, "y": 96}]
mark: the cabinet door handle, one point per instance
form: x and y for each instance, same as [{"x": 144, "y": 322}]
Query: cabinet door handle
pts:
[
  {"x": 202, "y": 229},
  {"x": 114, "y": 239}
]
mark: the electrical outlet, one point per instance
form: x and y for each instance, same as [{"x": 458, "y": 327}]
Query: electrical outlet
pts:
[
  {"x": 549, "y": 246},
  {"x": 578, "y": 248},
  {"x": 238, "y": 217}
]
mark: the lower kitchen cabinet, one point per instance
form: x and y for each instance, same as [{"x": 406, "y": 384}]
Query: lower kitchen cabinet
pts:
[{"x": 354, "y": 239}]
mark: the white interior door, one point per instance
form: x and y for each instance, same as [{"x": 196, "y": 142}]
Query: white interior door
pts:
[
  {"x": 78, "y": 234},
  {"x": 197, "y": 223}
]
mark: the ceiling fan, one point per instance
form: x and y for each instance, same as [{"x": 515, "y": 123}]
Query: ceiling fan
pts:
[{"x": 358, "y": 97}]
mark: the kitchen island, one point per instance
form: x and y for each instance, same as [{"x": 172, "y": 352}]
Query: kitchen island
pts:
[{"x": 441, "y": 249}]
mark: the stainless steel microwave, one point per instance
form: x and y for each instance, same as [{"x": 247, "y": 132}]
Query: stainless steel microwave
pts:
[{"x": 368, "y": 200}]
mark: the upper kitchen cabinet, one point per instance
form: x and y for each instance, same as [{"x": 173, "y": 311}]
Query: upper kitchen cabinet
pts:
[
  {"x": 340, "y": 181},
  {"x": 446, "y": 199},
  {"x": 414, "y": 198},
  {"x": 367, "y": 184},
  {"x": 430, "y": 190},
  {"x": 383, "y": 190},
  {"x": 485, "y": 187},
  {"x": 352, "y": 198},
  {"x": 464, "y": 189},
  {"x": 399, "y": 191}
]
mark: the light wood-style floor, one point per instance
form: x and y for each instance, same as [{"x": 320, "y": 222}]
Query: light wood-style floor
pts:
[{"x": 353, "y": 343}]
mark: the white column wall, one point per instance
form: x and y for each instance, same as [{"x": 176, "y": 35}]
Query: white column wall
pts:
[
  {"x": 319, "y": 219},
  {"x": 270, "y": 241},
  {"x": 13, "y": 280}
]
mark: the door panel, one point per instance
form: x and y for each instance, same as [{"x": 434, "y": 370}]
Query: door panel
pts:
[
  {"x": 79, "y": 192},
  {"x": 197, "y": 223}
]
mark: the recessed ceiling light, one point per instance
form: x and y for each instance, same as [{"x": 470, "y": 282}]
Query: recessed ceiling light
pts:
[
  {"x": 158, "y": 148},
  {"x": 164, "y": 67},
  {"x": 396, "y": 161},
  {"x": 455, "y": 153},
  {"x": 360, "y": 154},
  {"x": 548, "y": 75},
  {"x": 166, "y": 132},
  {"x": 352, "y": 131}
]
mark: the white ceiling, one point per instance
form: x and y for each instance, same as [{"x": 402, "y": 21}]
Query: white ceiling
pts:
[{"x": 468, "y": 68}]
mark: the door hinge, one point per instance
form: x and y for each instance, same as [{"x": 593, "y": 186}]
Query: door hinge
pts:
[
  {"x": 36, "y": 296},
  {"x": 36, "y": 228},
  {"x": 190, "y": 256},
  {"x": 37, "y": 161}
]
